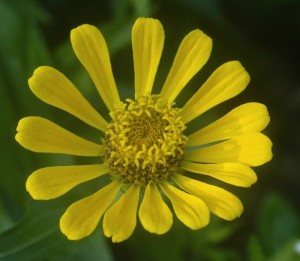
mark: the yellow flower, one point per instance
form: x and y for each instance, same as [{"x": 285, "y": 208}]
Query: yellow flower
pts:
[{"x": 145, "y": 150}]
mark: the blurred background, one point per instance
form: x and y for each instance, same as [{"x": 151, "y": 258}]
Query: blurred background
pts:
[{"x": 263, "y": 34}]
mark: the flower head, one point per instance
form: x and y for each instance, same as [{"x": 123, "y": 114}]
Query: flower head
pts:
[{"x": 145, "y": 151}]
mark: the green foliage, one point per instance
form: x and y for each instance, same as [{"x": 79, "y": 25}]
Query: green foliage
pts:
[
  {"x": 268, "y": 230},
  {"x": 255, "y": 250},
  {"x": 37, "y": 237},
  {"x": 278, "y": 227}
]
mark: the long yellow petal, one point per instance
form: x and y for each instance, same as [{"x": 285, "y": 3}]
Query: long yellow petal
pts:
[
  {"x": 226, "y": 82},
  {"x": 190, "y": 210},
  {"x": 83, "y": 216},
  {"x": 192, "y": 54},
  {"x": 91, "y": 50},
  {"x": 40, "y": 135},
  {"x": 120, "y": 219},
  {"x": 252, "y": 149},
  {"x": 154, "y": 213},
  {"x": 52, "y": 182},
  {"x": 147, "y": 44},
  {"x": 233, "y": 173},
  {"x": 219, "y": 201},
  {"x": 54, "y": 88},
  {"x": 247, "y": 118}
]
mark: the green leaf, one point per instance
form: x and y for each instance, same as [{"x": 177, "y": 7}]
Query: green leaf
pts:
[
  {"x": 220, "y": 254},
  {"x": 255, "y": 251},
  {"x": 142, "y": 7},
  {"x": 5, "y": 220},
  {"x": 287, "y": 252},
  {"x": 12, "y": 165},
  {"x": 33, "y": 228},
  {"x": 17, "y": 33},
  {"x": 37, "y": 237},
  {"x": 218, "y": 230},
  {"x": 207, "y": 8},
  {"x": 278, "y": 222},
  {"x": 30, "y": 8},
  {"x": 148, "y": 247}
]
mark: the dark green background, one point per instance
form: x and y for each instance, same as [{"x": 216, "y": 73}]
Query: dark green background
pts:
[{"x": 262, "y": 34}]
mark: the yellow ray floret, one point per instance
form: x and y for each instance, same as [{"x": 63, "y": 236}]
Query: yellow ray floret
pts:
[
  {"x": 120, "y": 220},
  {"x": 154, "y": 213},
  {"x": 52, "y": 87},
  {"x": 52, "y": 182},
  {"x": 83, "y": 216},
  {"x": 226, "y": 82},
  {"x": 40, "y": 135},
  {"x": 219, "y": 201},
  {"x": 190, "y": 210},
  {"x": 252, "y": 149},
  {"x": 192, "y": 54},
  {"x": 91, "y": 50},
  {"x": 147, "y": 45},
  {"x": 233, "y": 173},
  {"x": 247, "y": 118}
]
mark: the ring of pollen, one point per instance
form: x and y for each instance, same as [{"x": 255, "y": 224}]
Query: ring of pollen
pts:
[{"x": 144, "y": 141}]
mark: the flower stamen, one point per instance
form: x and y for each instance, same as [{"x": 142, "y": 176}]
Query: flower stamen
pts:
[{"x": 145, "y": 141}]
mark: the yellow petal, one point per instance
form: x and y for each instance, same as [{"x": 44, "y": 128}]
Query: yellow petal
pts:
[
  {"x": 147, "y": 43},
  {"x": 83, "y": 216},
  {"x": 91, "y": 50},
  {"x": 192, "y": 54},
  {"x": 40, "y": 135},
  {"x": 190, "y": 210},
  {"x": 247, "y": 118},
  {"x": 154, "y": 213},
  {"x": 233, "y": 173},
  {"x": 120, "y": 220},
  {"x": 54, "y": 88},
  {"x": 226, "y": 82},
  {"x": 52, "y": 182},
  {"x": 252, "y": 149},
  {"x": 219, "y": 201}
]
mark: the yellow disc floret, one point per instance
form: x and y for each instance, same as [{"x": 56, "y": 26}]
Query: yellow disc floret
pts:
[{"x": 145, "y": 141}]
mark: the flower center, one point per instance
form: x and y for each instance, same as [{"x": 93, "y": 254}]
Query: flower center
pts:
[{"x": 145, "y": 141}]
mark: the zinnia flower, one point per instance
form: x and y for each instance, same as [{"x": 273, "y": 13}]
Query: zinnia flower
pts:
[{"x": 145, "y": 150}]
